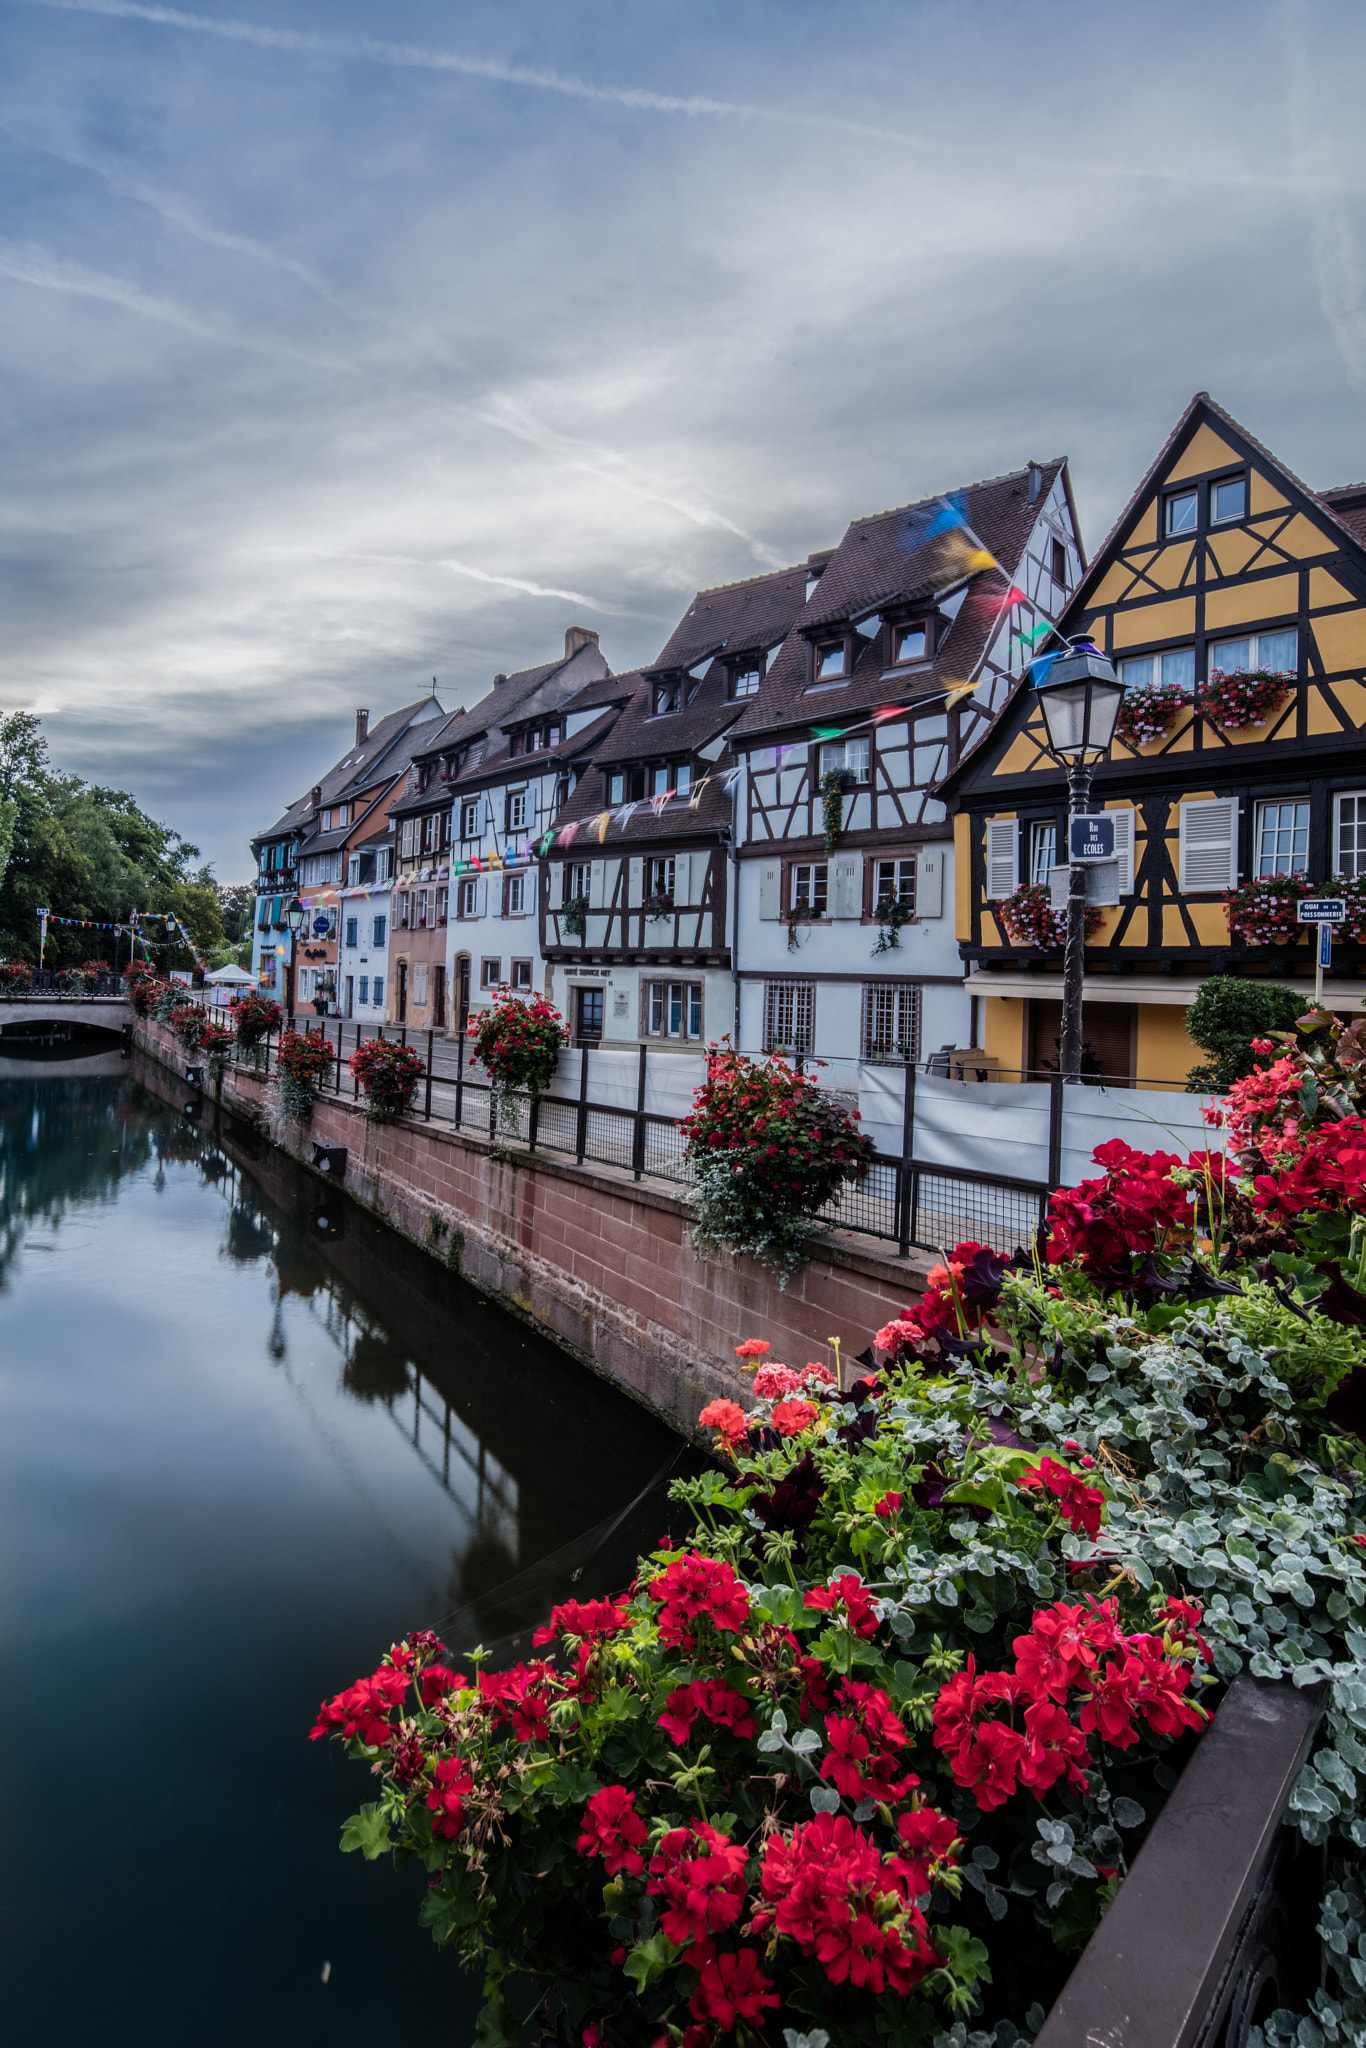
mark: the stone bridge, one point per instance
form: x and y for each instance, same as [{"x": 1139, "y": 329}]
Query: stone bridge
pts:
[{"x": 105, "y": 1013}]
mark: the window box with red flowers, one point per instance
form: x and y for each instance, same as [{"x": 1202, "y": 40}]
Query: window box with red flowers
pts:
[
  {"x": 1239, "y": 697},
  {"x": 1148, "y": 715},
  {"x": 876, "y": 1744},
  {"x": 1263, "y": 912},
  {"x": 1029, "y": 919}
]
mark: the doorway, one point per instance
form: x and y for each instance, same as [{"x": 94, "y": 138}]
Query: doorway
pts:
[
  {"x": 401, "y": 997},
  {"x": 588, "y": 1005},
  {"x": 1109, "y": 1034},
  {"x": 439, "y": 997},
  {"x": 350, "y": 994},
  {"x": 462, "y": 982}
]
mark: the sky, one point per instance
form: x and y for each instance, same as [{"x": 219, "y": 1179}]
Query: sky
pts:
[{"x": 343, "y": 347}]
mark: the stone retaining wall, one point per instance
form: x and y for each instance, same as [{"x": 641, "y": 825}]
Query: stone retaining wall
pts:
[{"x": 598, "y": 1261}]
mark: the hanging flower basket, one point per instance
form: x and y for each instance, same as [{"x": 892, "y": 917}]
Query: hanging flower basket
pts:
[
  {"x": 1030, "y": 919},
  {"x": 1237, "y": 697},
  {"x": 389, "y": 1074},
  {"x": 253, "y": 1020},
  {"x": 300, "y": 1065},
  {"x": 1146, "y": 715},
  {"x": 1263, "y": 912},
  {"x": 517, "y": 1043}
]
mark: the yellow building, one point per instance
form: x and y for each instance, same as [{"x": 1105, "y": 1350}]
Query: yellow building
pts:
[{"x": 1232, "y": 600}]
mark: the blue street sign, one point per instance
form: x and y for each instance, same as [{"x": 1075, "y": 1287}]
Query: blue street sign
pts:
[
  {"x": 1093, "y": 837},
  {"x": 1321, "y": 910},
  {"x": 1325, "y": 945}
]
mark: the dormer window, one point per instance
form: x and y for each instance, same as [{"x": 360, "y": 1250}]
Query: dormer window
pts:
[
  {"x": 517, "y": 744},
  {"x": 832, "y": 661},
  {"x": 668, "y": 696},
  {"x": 745, "y": 682},
  {"x": 1182, "y": 512},
  {"x": 1227, "y": 499},
  {"x": 552, "y": 736},
  {"x": 910, "y": 643}
]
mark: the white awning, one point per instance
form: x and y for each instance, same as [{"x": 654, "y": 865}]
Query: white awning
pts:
[{"x": 1178, "y": 992}]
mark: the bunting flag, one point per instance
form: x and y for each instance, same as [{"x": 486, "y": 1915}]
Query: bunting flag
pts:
[
  {"x": 950, "y": 516},
  {"x": 958, "y": 691},
  {"x": 626, "y": 813},
  {"x": 602, "y": 821},
  {"x": 828, "y": 732},
  {"x": 1029, "y": 634},
  {"x": 1037, "y": 670}
]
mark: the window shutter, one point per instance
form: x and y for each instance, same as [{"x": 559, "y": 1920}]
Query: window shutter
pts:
[
  {"x": 559, "y": 887},
  {"x": 770, "y": 888},
  {"x": 635, "y": 880},
  {"x": 929, "y": 882},
  {"x": 682, "y": 878},
  {"x": 596, "y": 875},
  {"x": 1209, "y": 843},
  {"x": 848, "y": 885},
  {"x": 1124, "y": 847},
  {"x": 481, "y": 898},
  {"x": 1003, "y": 858}
]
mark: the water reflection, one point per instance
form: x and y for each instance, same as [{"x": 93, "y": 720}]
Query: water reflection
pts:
[{"x": 246, "y": 1438}]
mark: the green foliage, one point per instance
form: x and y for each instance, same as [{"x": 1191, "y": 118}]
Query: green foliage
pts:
[
  {"x": 1227, "y": 1014},
  {"x": 832, "y": 788}
]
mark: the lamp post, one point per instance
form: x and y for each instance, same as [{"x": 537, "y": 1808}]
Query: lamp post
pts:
[
  {"x": 294, "y": 917},
  {"x": 1079, "y": 695}
]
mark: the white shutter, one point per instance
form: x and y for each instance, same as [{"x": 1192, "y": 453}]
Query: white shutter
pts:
[
  {"x": 611, "y": 872},
  {"x": 596, "y": 873},
  {"x": 682, "y": 879},
  {"x": 1003, "y": 851},
  {"x": 1209, "y": 843},
  {"x": 406, "y": 843},
  {"x": 635, "y": 882},
  {"x": 481, "y": 898},
  {"x": 848, "y": 891},
  {"x": 770, "y": 888},
  {"x": 1124, "y": 821},
  {"x": 559, "y": 885},
  {"x": 929, "y": 882}
]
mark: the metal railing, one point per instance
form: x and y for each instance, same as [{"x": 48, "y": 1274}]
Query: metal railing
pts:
[{"x": 910, "y": 1203}]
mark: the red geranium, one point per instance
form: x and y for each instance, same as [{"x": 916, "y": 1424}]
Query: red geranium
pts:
[
  {"x": 697, "y": 1588},
  {"x": 848, "y": 1599},
  {"x": 614, "y": 1830}
]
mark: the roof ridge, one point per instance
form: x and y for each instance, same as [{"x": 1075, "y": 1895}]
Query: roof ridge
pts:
[
  {"x": 712, "y": 589},
  {"x": 1054, "y": 462}
]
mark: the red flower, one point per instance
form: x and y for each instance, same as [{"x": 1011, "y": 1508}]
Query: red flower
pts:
[
  {"x": 693, "y": 1588},
  {"x": 860, "y": 1763},
  {"x": 732, "y": 1988},
  {"x": 841, "y": 1902},
  {"x": 715, "y": 1701},
  {"x": 790, "y": 1418},
  {"x": 753, "y": 1347},
  {"x": 363, "y": 1709},
  {"x": 889, "y": 1506},
  {"x": 729, "y": 1418},
  {"x": 614, "y": 1830},
  {"x": 592, "y": 1620},
  {"x": 522, "y": 1697},
  {"x": 452, "y": 1780},
  {"x": 436, "y": 1681},
  {"x": 700, "y": 1875},
  {"x": 1078, "y": 1504},
  {"x": 848, "y": 1592}
]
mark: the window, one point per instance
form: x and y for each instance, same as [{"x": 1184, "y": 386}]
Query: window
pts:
[
  {"x": 521, "y": 974},
  {"x": 745, "y": 682},
  {"x": 551, "y": 736},
  {"x": 673, "y": 1009},
  {"x": 589, "y": 1007},
  {"x": 377, "y": 994},
  {"x": 431, "y": 832},
  {"x": 810, "y": 887},
  {"x": 1278, "y": 652},
  {"x": 1282, "y": 838},
  {"x": 910, "y": 643},
  {"x": 616, "y": 788},
  {"x": 517, "y": 744},
  {"x": 1043, "y": 853},
  {"x": 420, "y": 971},
  {"x": 683, "y": 778},
  {"x": 1174, "y": 671},
  {"x": 1183, "y": 509},
  {"x": 1227, "y": 498},
  {"x": 668, "y": 696},
  {"x": 849, "y": 755},
  {"x": 659, "y": 878},
  {"x": 469, "y": 820},
  {"x": 325, "y": 822},
  {"x": 576, "y": 878},
  {"x": 514, "y": 896},
  {"x": 465, "y": 898},
  {"x": 1349, "y": 834},
  {"x": 353, "y": 931},
  {"x": 894, "y": 882},
  {"x": 1058, "y": 562},
  {"x": 443, "y": 898},
  {"x": 831, "y": 661},
  {"x": 891, "y": 1020},
  {"x": 363, "y": 989},
  {"x": 490, "y": 973},
  {"x": 660, "y": 784},
  {"x": 516, "y": 818},
  {"x": 789, "y": 1014},
  {"x": 381, "y": 927},
  {"x": 561, "y": 796}
]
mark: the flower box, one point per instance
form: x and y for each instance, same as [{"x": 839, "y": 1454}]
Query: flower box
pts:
[
  {"x": 1147, "y": 715},
  {"x": 1264, "y": 912},
  {"x": 1238, "y": 697}
]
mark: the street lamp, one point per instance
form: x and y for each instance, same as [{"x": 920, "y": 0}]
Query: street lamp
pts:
[
  {"x": 294, "y": 917},
  {"x": 1079, "y": 695}
]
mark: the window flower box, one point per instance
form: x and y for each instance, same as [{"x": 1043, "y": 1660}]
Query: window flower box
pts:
[
  {"x": 1029, "y": 919},
  {"x": 1147, "y": 715},
  {"x": 1263, "y": 912},
  {"x": 1235, "y": 698}
]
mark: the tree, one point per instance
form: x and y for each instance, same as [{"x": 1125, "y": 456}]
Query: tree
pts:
[
  {"x": 237, "y": 903},
  {"x": 1227, "y": 1014}
]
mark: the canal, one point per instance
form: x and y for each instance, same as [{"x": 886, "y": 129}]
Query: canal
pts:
[{"x": 247, "y": 1439}]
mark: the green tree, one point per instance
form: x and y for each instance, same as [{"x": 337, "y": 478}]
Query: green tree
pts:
[{"x": 1227, "y": 1014}]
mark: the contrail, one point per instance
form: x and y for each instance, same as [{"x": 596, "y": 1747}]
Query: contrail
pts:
[{"x": 520, "y": 583}]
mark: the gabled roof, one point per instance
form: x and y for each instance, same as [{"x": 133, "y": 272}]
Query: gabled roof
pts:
[
  {"x": 383, "y": 753},
  {"x": 892, "y": 563},
  {"x": 735, "y": 619}
]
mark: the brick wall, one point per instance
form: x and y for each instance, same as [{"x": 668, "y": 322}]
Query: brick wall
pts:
[{"x": 602, "y": 1264}]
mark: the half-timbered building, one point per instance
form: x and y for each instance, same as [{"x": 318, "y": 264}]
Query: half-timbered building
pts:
[
  {"x": 1232, "y": 600},
  {"x": 900, "y": 656},
  {"x": 636, "y": 916}
]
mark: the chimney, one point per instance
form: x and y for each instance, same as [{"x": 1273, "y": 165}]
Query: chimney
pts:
[
  {"x": 1035, "y": 482},
  {"x": 499, "y": 680},
  {"x": 576, "y": 637},
  {"x": 362, "y": 726},
  {"x": 315, "y": 796}
]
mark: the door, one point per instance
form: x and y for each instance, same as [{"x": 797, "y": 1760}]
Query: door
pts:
[
  {"x": 439, "y": 997},
  {"x": 402, "y": 999},
  {"x": 1108, "y": 1034},
  {"x": 350, "y": 995},
  {"x": 589, "y": 1002},
  {"x": 462, "y": 970}
]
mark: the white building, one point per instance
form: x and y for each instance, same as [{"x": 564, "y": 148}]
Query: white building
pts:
[{"x": 363, "y": 929}]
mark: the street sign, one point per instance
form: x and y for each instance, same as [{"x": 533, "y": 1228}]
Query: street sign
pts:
[
  {"x": 1092, "y": 837},
  {"x": 1325, "y": 945},
  {"x": 1321, "y": 910},
  {"x": 1102, "y": 886}
]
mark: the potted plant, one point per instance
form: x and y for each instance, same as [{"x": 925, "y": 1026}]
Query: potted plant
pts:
[
  {"x": 834, "y": 785},
  {"x": 891, "y": 913},
  {"x": 254, "y": 1018},
  {"x": 1263, "y": 912},
  {"x": 389, "y": 1073},
  {"x": 215, "y": 1049},
  {"x": 1029, "y": 919},
  {"x": 1147, "y": 715},
  {"x": 187, "y": 1021},
  {"x": 15, "y": 976},
  {"x": 517, "y": 1041},
  {"x": 323, "y": 994},
  {"x": 300, "y": 1065},
  {"x": 659, "y": 906},
  {"x": 574, "y": 917},
  {"x": 1237, "y": 697},
  {"x": 768, "y": 1149}
]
